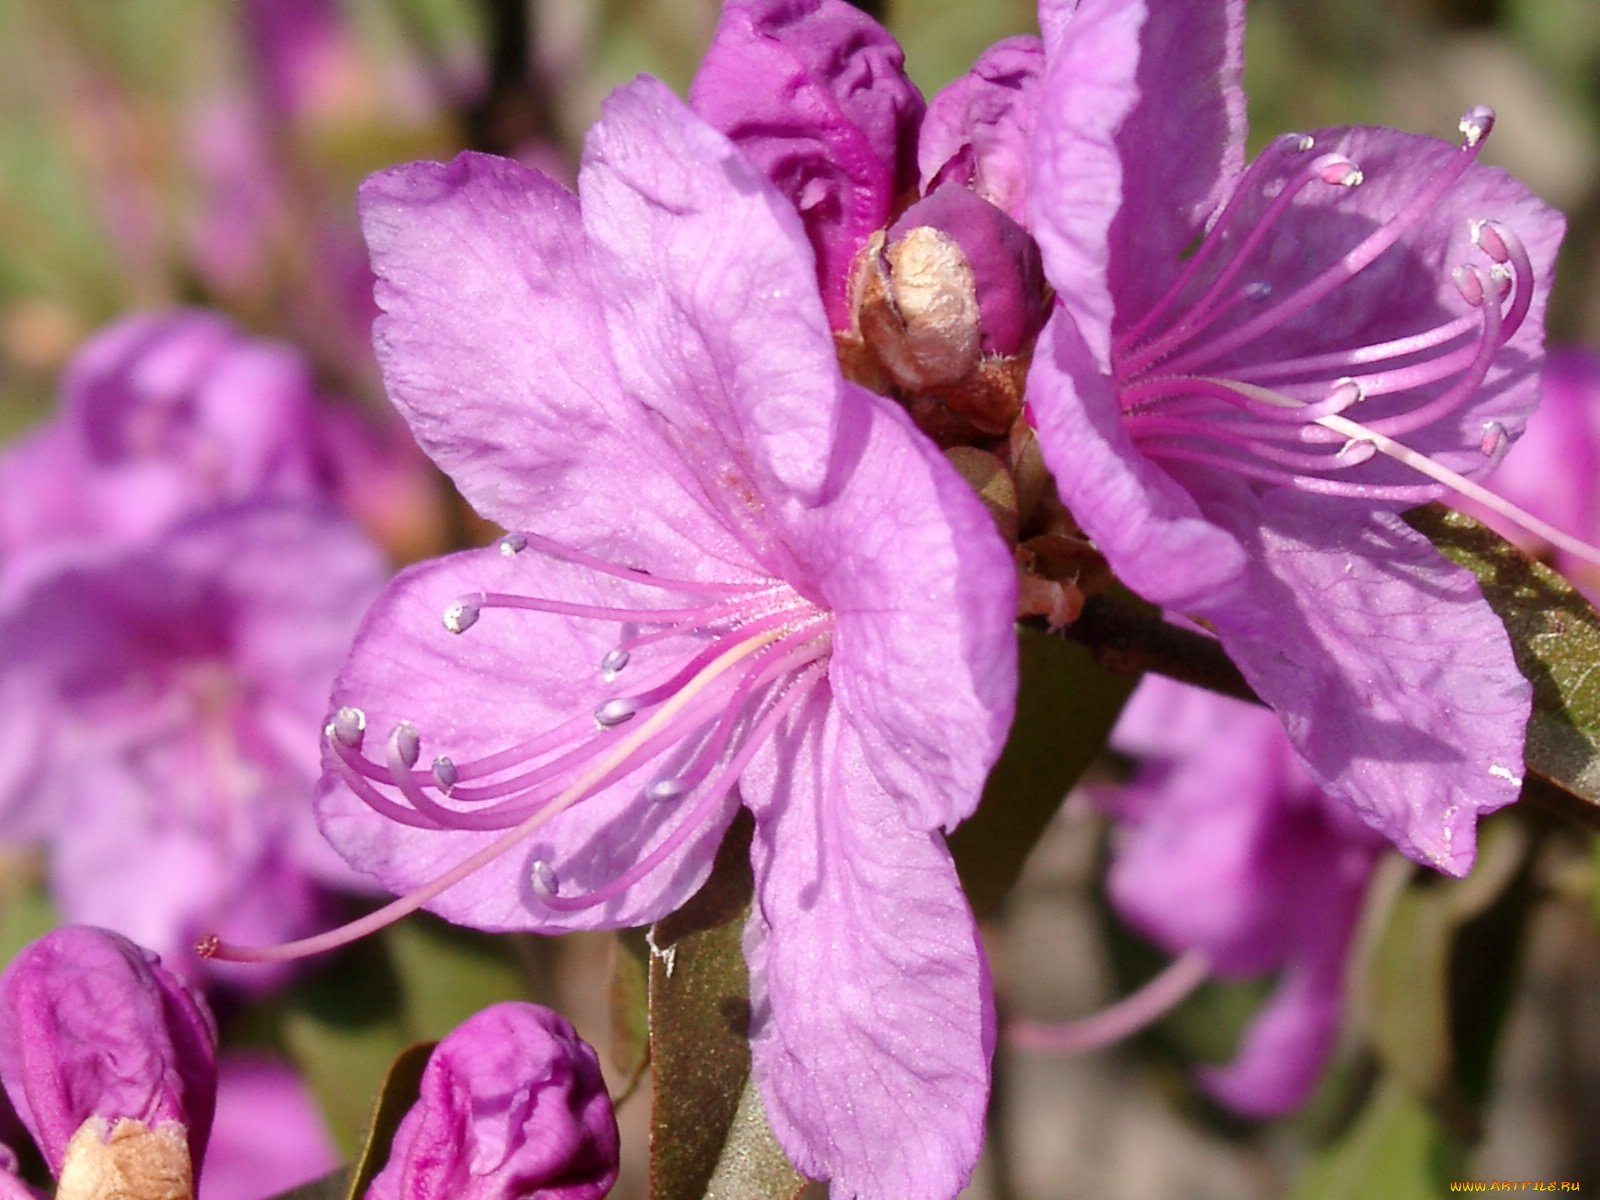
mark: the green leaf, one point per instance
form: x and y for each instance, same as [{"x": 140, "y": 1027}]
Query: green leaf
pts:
[
  {"x": 1556, "y": 637},
  {"x": 333, "y": 1186},
  {"x": 1066, "y": 706},
  {"x": 1410, "y": 991},
  {"x": 448, "y": 973},
  {"x": 630, "y": 1009},
  {"x": 401, "y": 1087},
  {"x": 1396, "y": 1150},
  {"x": 709, "y": 1136}
]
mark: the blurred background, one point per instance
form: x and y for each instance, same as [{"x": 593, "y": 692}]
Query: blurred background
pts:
[{"x": 156, "y": 153}]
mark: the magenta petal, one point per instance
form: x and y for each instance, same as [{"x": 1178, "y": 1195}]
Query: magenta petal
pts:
[
  {"x": 814, "y": 93},
  {"x": 526, "y": 673},
  {"x": 1280, "y": 1058},
  {"x": 979, "y": 131},
  {"x": 487, "y": 297},
  {"x": 946, "y": 639},
  {"x": 1145, "y": 523},
  {"x": 93, "y": 1026},
  {"x": 512, "y": 1107},
  {"x": 872, "y": 1020},
  {"x": 734, "y": 354},
  {"x": 1393, "y": 677}
]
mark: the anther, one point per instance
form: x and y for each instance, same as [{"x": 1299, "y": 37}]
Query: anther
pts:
[
  {"x": 1339, "y": 171},
  {"x": 1494, "y": 439},
  {"x": 1486, "y": 237},
  {"x": 513, "y": 544},
  {"x": 1355, "y": 452},
  {"x": 1476, "y": 124},
  {"x": 461, "y": 615},
  {"x": 1299, "y": 142},
  {"x": 405, "y": 744},
  {"x": 615, "y": 711},
  {"x": 542, "y": 877},
  {"x": 444, "y": 774},
  {"x": 613, "y": 663},
  {"x": 662, "y": 790},
  {"x": 1347, "y": 392},
  {"x": 349, "y": 726},
  {"x": 1470, "y": 284}
]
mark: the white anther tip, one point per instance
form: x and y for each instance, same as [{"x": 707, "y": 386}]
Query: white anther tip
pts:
[
  {"x": 1470, "y": 284},
  {"x": 542, "y": 877},
  {"x": 1355, "y": 452},
  {"x": 614, "y": 712},
  {"x": 406, "y": 743},
  {"x": 613, "y": 663},
  {"x": 1486, "y": 237},
  {"x": 444, "y": 774},
  {"x": 513, "y": 544},
  {"x": 461, "y": 615},
  {"x": 1476, "y": 124},
  {"x": 1339, "y": 171},
  {"x": 348, "y": 725},
  {"x": 665, "y": 789}
]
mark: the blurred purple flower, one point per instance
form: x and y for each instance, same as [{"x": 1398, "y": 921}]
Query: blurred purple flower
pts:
[
  {"x": 512, "y": 1107},
  {"x": 106, "y": 1055},
  {"x": 1193, "y": 397},
  {"x": 1553, "y": 469},
  {"x": 298, "y": 48},
  {"x": 268, "y": 1135},
  {"x": 749, "y": 581},
  {"x": 1224, "y": 846}
]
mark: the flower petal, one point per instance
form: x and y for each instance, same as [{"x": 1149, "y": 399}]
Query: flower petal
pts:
[
  {"x": 1146, "y": 524},
  {"x": 1393, "y": 677},
  {"x": 492, "y": 345},
  {"x": 527, "y": 673},
  {"x": 872, "y": 1021}
]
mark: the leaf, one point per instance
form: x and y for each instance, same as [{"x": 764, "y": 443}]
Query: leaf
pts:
[
  {"x": 630, "y": 1009},
  {"x": 401, "y": 1087},
  {"x": 333, "y": 1186},
  {"x": 1556, "y": 637},
  {"x": 1066, "y": 706},
  {"x": 1396, "y": 1150},
  {"x": 707, "y": 1128},
  {"x": 448, "y": 973}
]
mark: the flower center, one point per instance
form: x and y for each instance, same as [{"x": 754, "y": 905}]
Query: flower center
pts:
[{"x": 743, "y": 656}]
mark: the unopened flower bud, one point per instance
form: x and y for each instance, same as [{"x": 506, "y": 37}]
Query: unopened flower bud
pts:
[
  {"x": 94, "y": 1029},
  {"x": 512, "y": 1106},
  {"x": 127, "y": 1160}
]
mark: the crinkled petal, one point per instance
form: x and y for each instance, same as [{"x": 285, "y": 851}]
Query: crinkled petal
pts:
[
  {"x": 872, "y": 1019},
  {"x": 979, "y": 130},
  {"x": 814, "y": 92},
  {"x": 1393, "y": 677},
  {"x": 923, "y": 593},
  {"x": 523, "y": 674},
  {"x": 1148, "y": 526},
  {"x": 93, "y": 1026},
  {"x": 493, "y": 346},
  {"x": 711, "y": 301}
]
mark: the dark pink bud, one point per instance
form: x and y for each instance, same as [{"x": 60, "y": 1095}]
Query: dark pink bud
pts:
[
  {"x": 93, "y": 1028},
  {"x": 513, "y": 1107},
  {"x": 815, "y": 93}
]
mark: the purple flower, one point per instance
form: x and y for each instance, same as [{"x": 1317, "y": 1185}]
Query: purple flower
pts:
[
  {"x": 733, "y": 577},
  {"x": 815, "y": 93},
  {"x": 172, "y": 696},
  {"x": 1219, "y": 327},
  {"x": 513, "y": 1107},
  {"x": 268, "y": 1135},
  {"x": 109, "y": 1059},
  {"x": 1553, "y": 470},
  {"x": 1225, "y": 846}
]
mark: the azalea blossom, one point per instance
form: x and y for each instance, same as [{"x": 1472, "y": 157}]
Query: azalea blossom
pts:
[
  {"x": 1253, "y": 369},
  {"x": 1224, "y": 846},
  {"x": 732, "y": 577}
]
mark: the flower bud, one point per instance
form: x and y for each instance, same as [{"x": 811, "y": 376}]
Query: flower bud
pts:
[
  {"x": 103, "y": 1052},
  {"x": 513, "y": 1107}
]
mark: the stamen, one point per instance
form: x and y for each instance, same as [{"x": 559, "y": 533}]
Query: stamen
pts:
[
  {"x": 461, "y": 615},
  {"x": 513, "y": 544},
  {"x": 613, "y": 663},
  {"x": 542, "y": 877},
  {"x": 444, "y": 774},
  {"x": 661, "y": 790},
  {"x": 1127, "y": 1017},
  {"x": 348, "y": 727},
  {"x": 615, "y": 711}
]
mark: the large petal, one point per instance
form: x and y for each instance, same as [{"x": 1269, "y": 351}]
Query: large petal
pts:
[
  {"x": 923, "y": 593},
  {"x": 872, "y": 1019},
  {"x": 1393, "y": 677},
  {"x": 512, "y": 676},
  {"x": 493, "y": 345},
  {"x": 1149, "y": 528},
  {"x": 711, "y": 299}
]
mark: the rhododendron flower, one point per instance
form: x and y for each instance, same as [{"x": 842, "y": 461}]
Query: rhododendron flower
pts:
[
  {"x": 268, "y": 1135},
  {"x": 512, "y": 1107},
  {"x": 732, "y": 577},
  {"x": 1251, "y": 370},
  {"x": 110, "y": 1061},
  {"x": 1224, "y": 846}
]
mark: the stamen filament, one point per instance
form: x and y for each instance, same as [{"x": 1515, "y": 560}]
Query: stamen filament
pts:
[{"x": 1128, "y": 1016}]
